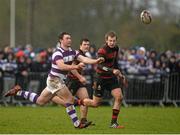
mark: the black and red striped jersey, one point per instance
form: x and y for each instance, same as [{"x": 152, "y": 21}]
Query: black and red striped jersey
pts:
[{"x": 111, "y": 61}]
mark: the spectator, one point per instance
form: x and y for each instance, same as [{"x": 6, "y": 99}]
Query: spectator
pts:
[
  {"x": 40, "y": 64},
  {"x": 142, "y": 68},
  {"x": 163, "y": 57},
  {"x": 151, "y": 59},
  {"x": 172, "y": 64},
  {"x": 131, "y": 66},
  {"x": 22, "y": 71},
  {"x": 9, "y": 66},
  {"x": 157, "y": 68},
  {"x": 165, "y": 68},
  {"x": 140, "y": 53}
]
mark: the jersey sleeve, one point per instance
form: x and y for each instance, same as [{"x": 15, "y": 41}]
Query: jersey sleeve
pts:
[
  {"x": 101, "y": 52},
  {"x": 77, "y": 53},
  {"x": 56, "y": 56}
]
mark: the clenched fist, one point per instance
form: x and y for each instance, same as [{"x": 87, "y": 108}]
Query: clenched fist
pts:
[
  {"x": 80, "y": 65},
  {"x": 100, "y": 60}
]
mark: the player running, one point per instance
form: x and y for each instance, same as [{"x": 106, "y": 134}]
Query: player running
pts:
[
  {"x": 108, "y": 75},
  {"x": 76, "y": 82},
  {"x": 62, "y": 59}
]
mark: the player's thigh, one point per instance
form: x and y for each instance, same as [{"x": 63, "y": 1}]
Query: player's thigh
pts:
[
  {"x": 82, "y": 93},
  {"x": 117, "y": 92},
  {"x": 44, "y": 97},
  {"x": 65, "y": 94}
]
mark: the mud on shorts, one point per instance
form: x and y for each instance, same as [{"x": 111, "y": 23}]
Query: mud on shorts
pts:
[
  {"x": 105, "y": 84},
  {"x": 54, "y": 84}
]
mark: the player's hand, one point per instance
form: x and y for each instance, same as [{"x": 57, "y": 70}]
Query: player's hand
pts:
[
  {"x": 123, "y": 79},
  {"x": 80, "y": 65},
  {"x": 116, "y": 72},
  {"x": 83, "y": 80},
  {"x": 100, "y": 60}
]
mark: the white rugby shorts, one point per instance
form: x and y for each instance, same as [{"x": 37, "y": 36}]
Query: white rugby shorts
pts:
[{"x": 54, "y": 84}]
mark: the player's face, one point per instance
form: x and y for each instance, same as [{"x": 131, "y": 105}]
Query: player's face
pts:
[
  {"x": 111, "y": 41},
  {"x": 66, "y": 41},
  {"x": 85, "y": 46}
]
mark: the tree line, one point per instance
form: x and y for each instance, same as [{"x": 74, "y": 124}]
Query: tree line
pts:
[{"x": 38, "y": 22}]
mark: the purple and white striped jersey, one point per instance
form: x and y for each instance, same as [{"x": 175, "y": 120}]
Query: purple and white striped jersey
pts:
[{"x": 67, "y": 55}]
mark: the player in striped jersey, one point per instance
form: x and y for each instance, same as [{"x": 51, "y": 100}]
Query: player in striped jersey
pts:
[
  {"x": 76, "y": 82},
  {"x": 62, "y": 60},
  {"x": 108, "y": 75}
]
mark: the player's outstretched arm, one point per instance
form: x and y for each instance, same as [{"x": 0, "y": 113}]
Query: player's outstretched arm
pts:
[
  {"x": 63, "y": 66},
  {"x": 89, "y": 60}
]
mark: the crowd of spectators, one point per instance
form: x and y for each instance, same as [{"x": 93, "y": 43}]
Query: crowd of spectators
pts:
[
  {"x": 22, "y": 60},
  {"x": 21, "y": 65},
  {"x": 139, "y": 61}
]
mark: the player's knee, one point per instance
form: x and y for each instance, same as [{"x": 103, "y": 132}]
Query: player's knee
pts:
[
  {"x": 119, "y": 98},
  {"x": 69, "y": 100},
  {"x": 41, "y": 102}
]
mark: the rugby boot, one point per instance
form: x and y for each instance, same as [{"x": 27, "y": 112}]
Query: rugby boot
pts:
[
  {"x": 84, "y": 120},
  {"x": 116, "y": 125},
  {"x": 13, "y": 91},
  {"x": 84, "y": 125}
]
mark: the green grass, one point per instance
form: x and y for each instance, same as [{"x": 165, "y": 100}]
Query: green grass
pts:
[{"x": 53, "y": 120}]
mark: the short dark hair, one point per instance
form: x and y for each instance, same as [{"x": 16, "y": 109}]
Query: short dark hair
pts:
[
  {"x": 110, "y": 34},
  {"x": 84, "y": 39},
  {"x": 61, "y": 35}
]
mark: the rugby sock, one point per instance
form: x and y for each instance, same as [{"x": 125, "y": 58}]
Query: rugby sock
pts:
[
  {"x": 28, "y": 95},
  {"x": 76, "y": 101},
  {"x": 115, "y": 114},
  {"x": 70, "y": 109}
]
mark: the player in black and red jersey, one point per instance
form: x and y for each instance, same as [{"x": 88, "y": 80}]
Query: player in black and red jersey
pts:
[
  {"x": 76, "y": 82},
  {"x": 108, "y": 75}
]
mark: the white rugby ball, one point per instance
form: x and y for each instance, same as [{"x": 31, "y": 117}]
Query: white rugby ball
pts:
[{"x": 146, "y": 17}]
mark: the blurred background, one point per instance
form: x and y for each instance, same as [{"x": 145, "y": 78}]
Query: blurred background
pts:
[
  {"x": 149, "y": 55},
  {"x": 38, "y": 22}
]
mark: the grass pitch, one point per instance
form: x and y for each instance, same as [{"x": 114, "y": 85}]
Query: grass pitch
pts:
[{"x": 54, "y": 120}]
